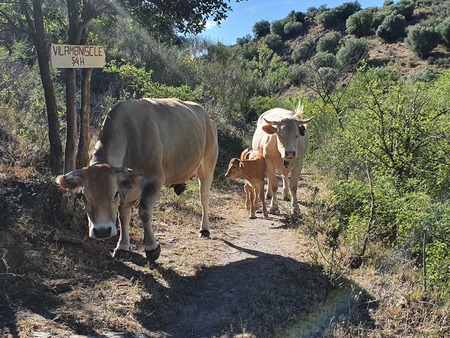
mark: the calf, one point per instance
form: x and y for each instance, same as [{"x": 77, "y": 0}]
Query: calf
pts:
[{"x": 251, "y": 167}]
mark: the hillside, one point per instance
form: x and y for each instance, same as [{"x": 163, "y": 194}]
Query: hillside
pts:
[{"x": 297, "y": 38}]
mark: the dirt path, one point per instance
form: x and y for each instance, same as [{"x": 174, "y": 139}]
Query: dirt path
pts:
[{"x": 253, "y": 278}]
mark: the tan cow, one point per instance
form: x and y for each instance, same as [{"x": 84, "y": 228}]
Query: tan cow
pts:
[
  {"x": 251, "y": 167},
  {"x": 144, "y": 144},
  {"x": 282, "y": 138}
]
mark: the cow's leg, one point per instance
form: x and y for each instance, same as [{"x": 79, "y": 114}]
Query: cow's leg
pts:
[
  {"x": 150, "y": 194},
  {"x": 123, "y": 245},
  {"x": 263, "y": 200},
  {"x": 205, "y": 191},
  {"x": 272, "y": 187},
  {"x": 254, "y": 202},
  {"x": 286, "y": 188},
  {"x": 247, "y": 196},
  {"x": 293, "y": 186}
]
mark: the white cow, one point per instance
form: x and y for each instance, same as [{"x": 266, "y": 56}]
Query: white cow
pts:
[
  {"x": 144, "y": 144},
  {"x": 282, "y": 138}
]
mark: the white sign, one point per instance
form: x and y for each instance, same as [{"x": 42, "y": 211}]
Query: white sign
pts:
[{"x": 77, "y": 56}]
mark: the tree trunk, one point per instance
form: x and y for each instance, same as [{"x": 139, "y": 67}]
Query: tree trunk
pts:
[
  {"x": 74, "y": 35},
  {"x": 85, "y": 117},
  {"x": 71, "y": 120},
  {"x": 38, "y": 36}
]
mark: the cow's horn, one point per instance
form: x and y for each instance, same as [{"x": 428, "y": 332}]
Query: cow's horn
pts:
[
  {"x": 305, "y": 121},
  {"x": 272, "y": 123}
]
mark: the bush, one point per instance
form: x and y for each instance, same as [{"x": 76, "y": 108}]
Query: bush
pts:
[
  {"x": 360, "y": 23},
  {"x": 277, "y": 27},
  {"x": 261, "y": 28},
  {"x": 444, "y": 30},
  {"x": 392, "y": 28},
  {"x": 337, "y": 15},
  {"x": 427, "y": 74},
  {"x": 329, "y": 42},
  {"x": 293, "y": 29},
  {"x": 297, "y": 74},
  {"x": 353, "y": 52},
  {"x": 303, "y": 51},
  {"x": 274, "y": 42},
  {"x": 422, "y": 40},
  {"x": 323, "y": 59},
  {"x": 403, "y": 7}
]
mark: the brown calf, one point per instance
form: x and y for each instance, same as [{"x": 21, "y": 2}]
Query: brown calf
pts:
[{"x": 251, "y": 167}]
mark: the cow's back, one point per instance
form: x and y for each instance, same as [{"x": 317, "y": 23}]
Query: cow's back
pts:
[{"x": 154, "y": 135}]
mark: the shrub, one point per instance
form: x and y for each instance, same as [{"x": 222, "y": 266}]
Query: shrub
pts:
[
  {"x": 329, "y": 42},
  {"x": 360, "y": 23},
  {"x": 422, "y": 40},
  {"x": 323, "y": 59},
  {"x": 293, "y": 29},
  {"x": 444, "y": 30},
  {"x": 297, "y": 74},
  {"x": 403, "y": 7},
  {"x": 340, "y": 14},
  {"x": 392, "y": 28},
  {"x": 303, "y": 51},
  {"x": 277, "y": 27},
  {"x": 353, "y": 52},
  {"x": 427, "y": 74},
  {"x": 261, "y": 28},
  {"x": 273, "y": 41}
]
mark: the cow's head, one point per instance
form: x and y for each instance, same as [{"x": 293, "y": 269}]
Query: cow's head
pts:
[
  {"x": 234, "y": 168},
  {"x": 288, "y": 132},
  {"x": 103, "y": 188}
]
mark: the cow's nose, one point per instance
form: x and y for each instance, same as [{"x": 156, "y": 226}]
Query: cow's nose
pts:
[
  {"x": 103, "y": 232},
  {"x": 289, "y": 155}
]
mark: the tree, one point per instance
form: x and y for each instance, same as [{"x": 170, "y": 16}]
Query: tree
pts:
[
  {"x": 392, "y": 28},
  {"x": 422, "y": 40},
  {"x": 261, "y": 28},
  {"x": 163, "y": 19}
]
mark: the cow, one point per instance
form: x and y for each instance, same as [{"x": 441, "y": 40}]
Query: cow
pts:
[
  {"x": 251, "y": 167},
  {"x": 282, "y": 138},
  {"x": 143, "y": 145}
]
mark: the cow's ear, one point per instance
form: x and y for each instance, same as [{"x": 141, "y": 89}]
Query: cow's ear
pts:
[
  {"x": 302, "y": 129},
  {"x": 73, "y": 184},
  {"x": 269, "y": 129}
]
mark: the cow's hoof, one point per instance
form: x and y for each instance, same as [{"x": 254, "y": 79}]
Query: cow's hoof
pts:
[
  {"x": 179, "y": 188},
  {"x": 204, "y": 233},
  {"x": 122, "y": 254},
  {"x": 252, "y": 217},
  {"x": 153, "y": 255}
]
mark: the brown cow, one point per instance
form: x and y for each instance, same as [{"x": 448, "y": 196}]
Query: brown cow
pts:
[
  {"x": 282, "y": 138},
  {"x": 163, "y": 142},
  {"x": 251, "y": 167}
]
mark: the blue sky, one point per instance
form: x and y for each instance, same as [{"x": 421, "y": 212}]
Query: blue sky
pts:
[{"x": 245, "y": 14}]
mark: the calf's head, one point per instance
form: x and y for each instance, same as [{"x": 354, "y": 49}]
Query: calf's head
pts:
[
  {"x": 103, "y": 188},
  {"x": 288, "y": 132},
  {"x": 234, "y": 168}
]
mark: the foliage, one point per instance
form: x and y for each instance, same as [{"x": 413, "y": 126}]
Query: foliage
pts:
[
  {"x": 277, "y": 27},
  {"x": 337, "y": 15},
  {"x": 273, "y": 41},
  {"x": 261, "y": 28},
  {"x": 392, "y": 28},
  {"x": 403, "y": 7},
  {"x": 427, "y": 74},
  {"x": 136, "y": 82},
  {"x": 444, "y": 30},
  {"x": 329, "y": 42},
  {"x": 360, "y": 23},
  {"x": 322, "y": 59},
  {"x": 353, "y": 52},
  {"x": 293, "y": 29},
  {"x": 302, "y": 51},
  {"x": 422, "y": 40}
]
